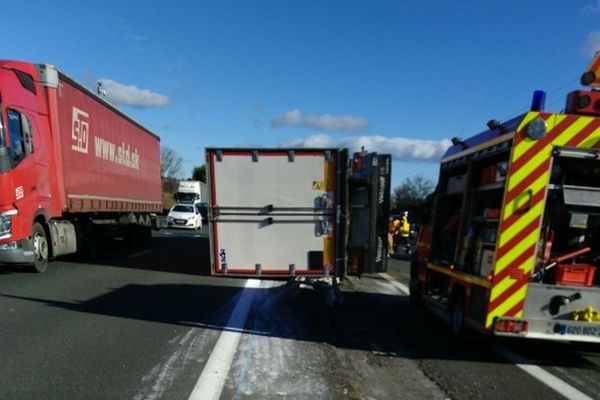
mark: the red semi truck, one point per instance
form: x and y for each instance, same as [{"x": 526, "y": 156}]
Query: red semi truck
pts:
[{"x": 70, "y": 164}]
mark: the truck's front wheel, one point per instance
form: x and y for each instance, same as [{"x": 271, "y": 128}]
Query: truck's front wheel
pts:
[
  {"x": 40, "y": 248},
  {"x": 457, "y": 316}
]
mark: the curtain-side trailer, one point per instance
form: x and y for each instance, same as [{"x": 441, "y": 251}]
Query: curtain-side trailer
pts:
[{"x": 68, "y": 161}]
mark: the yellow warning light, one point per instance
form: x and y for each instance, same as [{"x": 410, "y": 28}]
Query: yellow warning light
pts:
[{"x": 591, "y": 77}]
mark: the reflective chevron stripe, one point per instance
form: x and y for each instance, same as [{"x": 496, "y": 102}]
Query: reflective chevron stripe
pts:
[{"x": 523, "y": 206}]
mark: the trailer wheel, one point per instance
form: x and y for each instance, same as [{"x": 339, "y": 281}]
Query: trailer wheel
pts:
[
  {"x": 40, "y": 248},
  {"x": 457, "y": 316}
]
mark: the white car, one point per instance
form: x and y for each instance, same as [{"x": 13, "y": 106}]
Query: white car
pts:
[{"x": 184, "y": 216}]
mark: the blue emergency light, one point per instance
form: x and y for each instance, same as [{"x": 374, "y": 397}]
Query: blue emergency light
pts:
[{"x": 538, "y": 102}]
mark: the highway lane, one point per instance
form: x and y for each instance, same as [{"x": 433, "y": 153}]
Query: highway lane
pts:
[
  {"x": 116, "y": 328},
  {"x": 486, "y": 369},
  {"x": 141, "y": 323}
]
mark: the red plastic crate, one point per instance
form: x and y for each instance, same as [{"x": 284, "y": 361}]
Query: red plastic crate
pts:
[{"x": 575, "y": 274}]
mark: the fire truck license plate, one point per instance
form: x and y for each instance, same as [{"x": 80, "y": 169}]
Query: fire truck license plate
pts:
[{"x": 580, "y": 330}]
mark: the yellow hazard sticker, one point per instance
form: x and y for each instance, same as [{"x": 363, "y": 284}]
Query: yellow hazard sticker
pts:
[{"x": 318, "y": 185}]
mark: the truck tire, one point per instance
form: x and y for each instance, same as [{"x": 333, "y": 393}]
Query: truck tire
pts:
[
  {"x": 415, "y": 294},
  {"x": 91, "y": 249},
  {"x": 40, "y": 248},
  {"x": 457, "y": 315},
  {"x": 415, "y": 291}
]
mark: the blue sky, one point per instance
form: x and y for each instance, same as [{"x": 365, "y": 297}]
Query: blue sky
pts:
[{"x": 399, "y": 77}]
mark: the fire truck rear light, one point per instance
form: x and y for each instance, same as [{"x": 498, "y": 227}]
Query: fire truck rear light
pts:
[
  {"x": 511, "y": 326},
  {"x": 583, "y": 101}
]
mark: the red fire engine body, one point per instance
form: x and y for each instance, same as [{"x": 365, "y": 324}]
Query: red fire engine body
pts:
[
  {"x": 68, "y": 160},
  {"x": 513, "y": 244}
]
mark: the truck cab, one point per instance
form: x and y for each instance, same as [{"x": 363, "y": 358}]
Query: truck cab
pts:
[
  {"x": 191, "y": 192},
  {"x": 68, "y": 159},
  {"x": 25, "y": 167}
]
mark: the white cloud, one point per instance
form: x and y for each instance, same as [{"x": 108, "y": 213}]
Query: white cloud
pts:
[
  {"x": 130, "y": 95},
  {"x": 592, "y": 44},
  {"x": 401, "y": 149},
  {"x": 592, "y": 9},
  {"x": 325, "y": 122}
]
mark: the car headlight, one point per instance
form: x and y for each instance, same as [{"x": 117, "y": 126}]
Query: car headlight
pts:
[{"x": 170, "y": 219}]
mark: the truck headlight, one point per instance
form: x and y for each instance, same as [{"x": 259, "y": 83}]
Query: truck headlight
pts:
[
  {"x": 8, "y": 246},
  {"x": 6, "y": 223}
]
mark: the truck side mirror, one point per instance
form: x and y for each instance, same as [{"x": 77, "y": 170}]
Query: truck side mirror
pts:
[
  {"x": 5, "y": 161},
  {"x": 27, "y": 140}
]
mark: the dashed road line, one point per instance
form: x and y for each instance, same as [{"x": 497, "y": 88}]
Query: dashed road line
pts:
[{"x": 398, "y": 285}]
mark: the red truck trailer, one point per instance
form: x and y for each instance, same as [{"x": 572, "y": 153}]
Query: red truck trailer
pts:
[{"x": 70, "y": 162}]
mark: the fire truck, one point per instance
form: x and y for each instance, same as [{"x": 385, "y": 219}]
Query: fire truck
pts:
[{"x": 512, "y": 245}]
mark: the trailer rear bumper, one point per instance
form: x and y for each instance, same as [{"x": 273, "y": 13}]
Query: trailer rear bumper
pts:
[{"x": 18, "y": 252}]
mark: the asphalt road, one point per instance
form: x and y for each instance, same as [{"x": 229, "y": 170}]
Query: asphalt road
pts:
[{"x": 150, "y": 323}]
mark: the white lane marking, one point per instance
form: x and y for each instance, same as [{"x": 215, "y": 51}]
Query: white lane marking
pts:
[
  {"x": 538, "y": 373},
  {"x": 140, "y": 253},
  {"x": 210, "y": 383},
  {"x": 162, "y": 375},
  {"x": 399, "y": 285},
  {"x": 542, "y": 375}
]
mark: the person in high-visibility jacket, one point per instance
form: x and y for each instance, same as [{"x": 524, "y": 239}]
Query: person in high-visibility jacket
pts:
[
  {"x": 393, "y": 227},
  {"x": 404, "y": 231}
]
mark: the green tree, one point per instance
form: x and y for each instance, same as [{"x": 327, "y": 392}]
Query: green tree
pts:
[
  {"x": 199, "y": 173},
  {"x": 170, "y": 163},
  {"x": 412, "y": 194},
  {"x": 170, "y": 172}
]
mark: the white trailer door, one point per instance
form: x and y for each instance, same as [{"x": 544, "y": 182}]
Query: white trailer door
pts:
[{"x": 273, "y": 212}]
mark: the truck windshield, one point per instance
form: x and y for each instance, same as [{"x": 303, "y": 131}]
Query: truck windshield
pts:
[{"x": 187, "y": 197}]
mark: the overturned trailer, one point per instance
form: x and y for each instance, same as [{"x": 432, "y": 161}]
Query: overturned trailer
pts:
[{"x": 302, "y": 214}]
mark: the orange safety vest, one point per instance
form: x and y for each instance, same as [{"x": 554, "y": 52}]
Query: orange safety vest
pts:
[{"x": 393, "y": 225}]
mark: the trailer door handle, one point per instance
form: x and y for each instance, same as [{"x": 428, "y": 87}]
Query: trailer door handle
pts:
[{"x": 527, "y": 206}]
